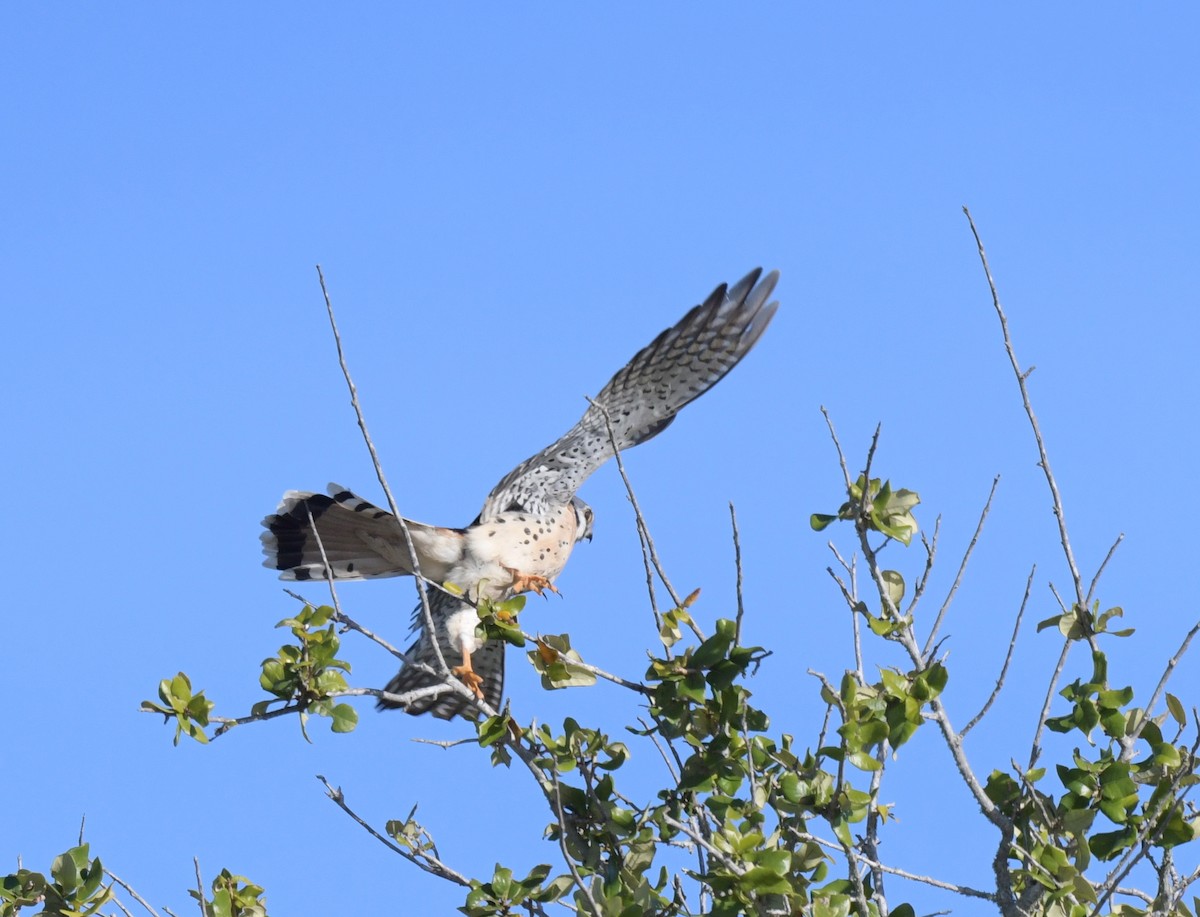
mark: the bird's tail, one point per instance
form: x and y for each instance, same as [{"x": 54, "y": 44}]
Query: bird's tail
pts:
[
  {"x": 359, "y": 540},
  {"x": 487, "y": 661}
]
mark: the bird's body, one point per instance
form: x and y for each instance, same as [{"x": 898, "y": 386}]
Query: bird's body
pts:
[{"x": 532, "y": 519}]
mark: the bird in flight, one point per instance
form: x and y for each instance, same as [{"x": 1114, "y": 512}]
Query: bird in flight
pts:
[{"x": 532, "y": 519}]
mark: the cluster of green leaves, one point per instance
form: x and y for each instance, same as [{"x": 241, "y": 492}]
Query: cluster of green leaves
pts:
[
  {"x": 874, "y": 506},
  {"x": 882, "y": 716},
  {"x": 189, "y": 710},
  {"x": 233, "y": 896},
  {"x": 308, "y": 672},
  {"x": 747, "y": 800},
  {"x": 503, "y": 894},
  {"x": 75, "y": 887},
  {"x": 1110, "y": 804}
]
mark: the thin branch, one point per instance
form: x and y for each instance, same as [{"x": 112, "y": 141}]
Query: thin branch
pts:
[
  {"x": 697, "y": 838},
  {"x": 860, "y": 892},
  {"x": 849, "y": 593},
  {"x": 199, "y": 886},
  {"x": 1021, "y": 377},
  {"x": 930, "y": 546},
  {"x": 643, "y": 529},
  {"x": 838, "y": 446},
  {"x": 583, "y": 887},
  {"x": 962, "y": 568},
  {"x": 1012, "y": 645},
  {"x": 446, "y": 743},
  {"x": 1107, "y": 557},
  {"x": 1168, "y": 670},
  {"x": 422, "y": 859},
  {"x": 908, "y": 640},
  {"x": 737, "y": 560},
  {"x": 422, "y": 593},
  {"x": 662, "y": 751},
  {"x": 869, "y": 843},
  {"x": 133, "y": 894},
  {"x": 1035, "y": 749},
  {"x": 965, "y": 890}
]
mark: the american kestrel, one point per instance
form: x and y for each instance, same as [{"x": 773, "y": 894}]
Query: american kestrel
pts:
[{"x": 531, "y": 521}]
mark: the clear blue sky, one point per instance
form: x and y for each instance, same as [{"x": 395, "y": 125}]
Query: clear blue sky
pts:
[{"x": 507, "y": 204}]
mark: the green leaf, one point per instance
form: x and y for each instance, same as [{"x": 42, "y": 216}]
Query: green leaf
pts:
[
  {"x": 894, "y": 583},
  {"x": 864, "y": 762},
  {"x": 820, "y": 521},
  {"x": 345, "y": 718},
  {"x": 1178, "y": 714}
]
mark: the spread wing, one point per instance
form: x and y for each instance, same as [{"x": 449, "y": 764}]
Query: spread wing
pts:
[{"x": 642, "y": 399}]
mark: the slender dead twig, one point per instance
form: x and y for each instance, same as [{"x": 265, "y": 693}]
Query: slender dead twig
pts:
[
  {"x": 1168, "y": 670},
  {"x": 584, "y": 888},
  {"x": 132, "y": 893},
  {"x": 965, "y": 890},
  {"x": 643, "y": 529},
  {"x": 446, "y": 743},
  {"x": 200, "y": 887},
  {"x": 423, "y": 859},
  {"x": 1021, "y": 377},
  {"x": 418, "y": 580},
  {"x": 837, "y": 445},
  {"x": 737, "y": 561},
  {"x": 962, "y": 568},
  {"x": 1035, "y": 749},
  {"x": 850, "y": 594},
  {"x": 1012, "y": 645},
  {"x": 930, "y": 546},
  {"x": 1100, "y": 570}
]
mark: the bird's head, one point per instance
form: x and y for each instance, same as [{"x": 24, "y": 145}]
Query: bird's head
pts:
[{"x": 584, "y": 518}]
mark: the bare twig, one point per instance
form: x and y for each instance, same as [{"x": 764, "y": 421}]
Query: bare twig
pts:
[
  {"x": 643, "y": 529},
  {"x": 930, "y": 546},
  {"x": 964, "y": 890},
  {"x": 199, "y": 886},
  {"x": 737, "y": 560},
  {"x": 1035, "y": 749},
  {"x": 1168, "y": 670},
  {"x": 697, "y": 838},
  {"x": 962, "y": 567},
  {"x": 423, "y": 859},
  {"x": 418, "y": 580},
  {"x": 133, "y": 894},
  {"x": 446, "y": 743},
  {"x": 849, "y": 593},
  {"x": 837, "y": 445},
  {"x": 662, "y": 751},
  {"x": 1021, "y": 377},
  {"x": 1012, "y": 645},
  {"x": 1100, "y": 570},
  {"x": 583, "y": 887}
]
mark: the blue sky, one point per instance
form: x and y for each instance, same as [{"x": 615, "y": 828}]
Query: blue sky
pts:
[{"x": 508, "y": 203}]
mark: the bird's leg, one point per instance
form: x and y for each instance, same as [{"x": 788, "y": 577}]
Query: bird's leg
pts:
[
  {"x": 529, "y": 582},
  {"x": 468, "y": 675}
]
